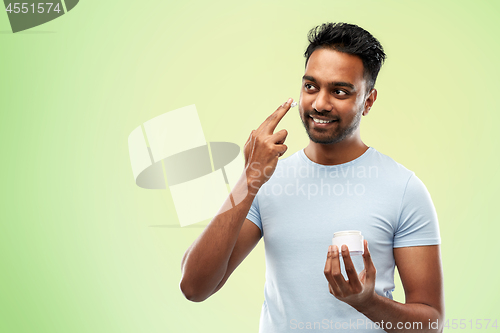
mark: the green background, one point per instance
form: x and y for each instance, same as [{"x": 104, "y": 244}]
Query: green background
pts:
[{"x": 83, "y": 249}]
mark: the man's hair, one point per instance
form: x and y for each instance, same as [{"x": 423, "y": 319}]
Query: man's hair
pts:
[{"x": 350, "y": 39}]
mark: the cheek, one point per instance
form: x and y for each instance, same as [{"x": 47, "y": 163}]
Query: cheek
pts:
[
  {"x": 360, "y": 101},
  {"x": 342, "y": 106},
  {"x": 306, "y": 101},
  {"x": 345, "y": 105},
  {"x": 302, "y": 105}
]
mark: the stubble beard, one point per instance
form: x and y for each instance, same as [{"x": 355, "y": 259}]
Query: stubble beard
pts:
[{"x": 336, "y": 136}]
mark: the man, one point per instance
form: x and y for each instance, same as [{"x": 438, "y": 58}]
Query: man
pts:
[{"x": 336, "y": 183}]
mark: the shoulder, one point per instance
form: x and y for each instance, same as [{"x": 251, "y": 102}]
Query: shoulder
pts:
[
  {"x": 404, "y": 182},
  {"x": 388, "y": 167}
]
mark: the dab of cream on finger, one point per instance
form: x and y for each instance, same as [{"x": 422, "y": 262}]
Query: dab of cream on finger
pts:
[{"x": 294, "y": 104}]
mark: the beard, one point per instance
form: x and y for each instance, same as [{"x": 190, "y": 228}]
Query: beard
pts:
[{"x": 338, "y": 133}]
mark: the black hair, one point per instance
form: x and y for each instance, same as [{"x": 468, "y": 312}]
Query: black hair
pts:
[{"x": 350, "y": 39}]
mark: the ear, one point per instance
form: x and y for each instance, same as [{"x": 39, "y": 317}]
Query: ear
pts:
[{"x": 372, "y": 97}]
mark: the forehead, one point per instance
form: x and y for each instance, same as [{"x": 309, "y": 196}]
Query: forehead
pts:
[{"x": 327, "y": 65}]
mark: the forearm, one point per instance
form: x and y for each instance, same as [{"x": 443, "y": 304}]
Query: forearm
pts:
[
  {"x": 205, "y": 262},
  {"x": 394, "y": 315}
]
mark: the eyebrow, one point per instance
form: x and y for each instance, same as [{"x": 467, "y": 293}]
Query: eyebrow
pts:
[{"x": 331, "y": 84}]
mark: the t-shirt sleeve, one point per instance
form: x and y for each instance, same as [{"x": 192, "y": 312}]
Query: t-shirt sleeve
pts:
[
  {"x": 418, "y": 222},
  {"x": 254, "y": 214}
]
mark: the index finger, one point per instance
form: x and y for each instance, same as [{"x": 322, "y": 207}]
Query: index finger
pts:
[
  {"x": 269, "y": 125},
  {"x": 367, "y": 259}
]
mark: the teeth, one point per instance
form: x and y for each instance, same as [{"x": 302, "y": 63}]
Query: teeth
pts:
[{"x": 319, "y": 121}]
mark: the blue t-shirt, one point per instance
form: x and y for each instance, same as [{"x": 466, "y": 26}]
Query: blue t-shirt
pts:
[{"x": 300, "y": 208}]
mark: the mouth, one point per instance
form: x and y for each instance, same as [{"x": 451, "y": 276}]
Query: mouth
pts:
[{"x": 322, "y": 122}]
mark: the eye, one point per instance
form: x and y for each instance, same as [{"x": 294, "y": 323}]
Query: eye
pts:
[
  {"x": 308, "y": 86},
  {"x": 339, "y": 92}
]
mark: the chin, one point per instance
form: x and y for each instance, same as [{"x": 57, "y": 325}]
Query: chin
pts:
[{"x": 326, "y": 140}]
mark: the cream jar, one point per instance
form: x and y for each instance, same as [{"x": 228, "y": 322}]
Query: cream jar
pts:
[{"x": 352, "y": 238}]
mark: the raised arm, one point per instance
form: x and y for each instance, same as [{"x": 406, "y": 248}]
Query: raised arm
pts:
[{"x": 230, "y": 237}]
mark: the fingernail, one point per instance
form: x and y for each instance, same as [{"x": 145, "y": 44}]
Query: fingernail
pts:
[
  {"x": 334, "y": 248},
  {"x": 344, "y": 247},
  {"x": 330, "y": 248},
  {"x": 290, "y": 100}
]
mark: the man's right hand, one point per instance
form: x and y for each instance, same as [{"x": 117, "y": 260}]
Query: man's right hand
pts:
[
  {"x": 263, "y": 148},
  {"x": 229, "y": 237}
]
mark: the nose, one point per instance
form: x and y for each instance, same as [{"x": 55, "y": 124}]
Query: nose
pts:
[{"x": 322, "y": 102}]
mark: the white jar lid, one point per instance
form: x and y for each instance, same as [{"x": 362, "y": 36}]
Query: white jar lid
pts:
[{"x": 346, "y": 233}]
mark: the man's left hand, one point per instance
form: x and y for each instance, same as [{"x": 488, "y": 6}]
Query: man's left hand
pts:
[{"x": 359, "y": 290}]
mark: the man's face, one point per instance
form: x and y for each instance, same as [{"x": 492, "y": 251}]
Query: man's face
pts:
[{"x": 333, "y": 89}]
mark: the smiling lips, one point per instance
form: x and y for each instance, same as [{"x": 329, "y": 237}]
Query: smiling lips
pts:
[{"x": 319, "y": 121}]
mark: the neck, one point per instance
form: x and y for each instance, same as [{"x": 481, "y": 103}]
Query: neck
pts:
[{"x": 336, "y": 153}]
